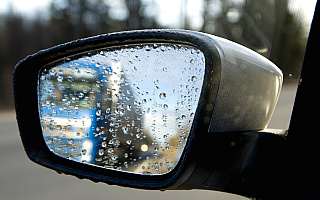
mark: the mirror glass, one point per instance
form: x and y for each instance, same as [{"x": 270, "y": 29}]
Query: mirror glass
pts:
[{"x": 127, "y": 108}]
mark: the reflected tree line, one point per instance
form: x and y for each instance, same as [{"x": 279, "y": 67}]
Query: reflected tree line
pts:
[{"x": 266, "y": 26}]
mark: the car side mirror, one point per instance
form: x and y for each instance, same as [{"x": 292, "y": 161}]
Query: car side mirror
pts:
[{"x": 147, "y": 109}]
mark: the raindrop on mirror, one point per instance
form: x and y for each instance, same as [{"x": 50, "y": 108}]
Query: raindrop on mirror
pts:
[{"x": 127, "y": 108}]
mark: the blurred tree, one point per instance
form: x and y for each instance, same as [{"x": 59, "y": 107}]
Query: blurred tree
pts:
[
  {"x": 250, "y": 23},
  {"x": 289, "y": 41},
  {"x": 134, "y": 20},
  {"x": 12, "y": 48},
  {"x": 266, "y": 26},
  {"x": 138, "y": 17},
  {"x": 73, "y": 19},
  {"x": 68, "y": 20}
]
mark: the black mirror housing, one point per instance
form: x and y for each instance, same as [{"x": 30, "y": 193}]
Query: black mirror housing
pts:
[{"x": 239, "y": 92}]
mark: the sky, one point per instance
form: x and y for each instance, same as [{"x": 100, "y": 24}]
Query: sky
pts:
[
  {"x": 23, "y": 5},
  {"x": 167, "y": 12}
]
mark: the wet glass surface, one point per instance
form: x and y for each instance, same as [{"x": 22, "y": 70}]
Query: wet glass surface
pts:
[{"x": 126, "y": 108}]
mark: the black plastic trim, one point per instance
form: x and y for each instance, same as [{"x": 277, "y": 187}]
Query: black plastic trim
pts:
[
  {"x": 303, "y": 175},
  {"x": 26, "y": 102}
]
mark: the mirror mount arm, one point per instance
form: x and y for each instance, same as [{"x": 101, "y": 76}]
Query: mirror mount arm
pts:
[{"x": 247, "y": 166}]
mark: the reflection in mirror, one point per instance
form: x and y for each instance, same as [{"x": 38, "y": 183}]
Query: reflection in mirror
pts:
[{"x": 126, "y": 108}]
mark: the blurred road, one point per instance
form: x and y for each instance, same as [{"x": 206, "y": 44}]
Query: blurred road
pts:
[
  {"x": 282, "y": 113},
  {"x": 22, "y": 179}
]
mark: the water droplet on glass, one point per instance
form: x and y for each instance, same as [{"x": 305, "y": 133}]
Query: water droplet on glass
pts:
[
  {"x": 101, "y": 152},
  {"x": 125, "y": 130},
  {"x": 121, "y": 112},
  {"x": 70, "y": 141},
  {"x": 98, "y": 113},
  {"x": 148, "y": 48},
  {"x": 80, "y": 95},
  {"x": 163, "y": 96},
  {"x": 114, "y": 157},
  {"x": 110, "y": 150},
  {"x": 58, "y": 128},
  {"x": 104, "y": 144},
  {"x": 129, "y": 107},
  {"x": 193, "y": 78},
  {"x": 84, "y": 151},
  {"x": 52, "y": 72},
  {"x": 49, "y": 141},
  {"x": 98, "y": 64},
  {"x": 60, "y": 78},
  {"x": 165, "y": 106},
  {"x": 128, "y": 142},
  {"x": 117, "y": 143}
]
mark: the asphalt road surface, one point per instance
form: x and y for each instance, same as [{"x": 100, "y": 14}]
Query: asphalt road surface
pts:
[{"x": 22, "y": 179}]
